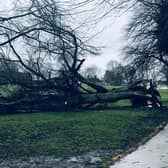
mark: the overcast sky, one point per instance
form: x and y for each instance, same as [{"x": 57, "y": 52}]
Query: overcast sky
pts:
[{"x": 111, "y": 37}]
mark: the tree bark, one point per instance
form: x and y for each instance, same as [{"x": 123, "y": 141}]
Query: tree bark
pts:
[
  {"x": 67, "y": 100},
  {"x": 61, "y": 102}
]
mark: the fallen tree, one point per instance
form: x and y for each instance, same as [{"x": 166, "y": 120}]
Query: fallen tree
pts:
[
  {"x": 33, "y": 101},
  {"x": 42, "y": 54}
]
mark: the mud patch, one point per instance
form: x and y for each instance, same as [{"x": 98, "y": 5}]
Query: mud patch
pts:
[{"x": 90, "y": 159}]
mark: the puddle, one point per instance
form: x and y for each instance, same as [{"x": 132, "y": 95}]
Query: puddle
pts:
[{"x": 88, "y": 160}]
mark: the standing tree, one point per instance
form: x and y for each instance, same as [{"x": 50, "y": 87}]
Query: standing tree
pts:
[
  {"x": 114, "y": 74},
  {"x": 91, "y": 73},
  {"x": 148, "y": 33},
  {"x": 164, "y": 71}
]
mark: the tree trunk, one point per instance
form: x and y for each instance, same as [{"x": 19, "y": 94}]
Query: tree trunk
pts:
[
  {"x": 138, "y": 94},
  {"x": 60, "y": 102}
]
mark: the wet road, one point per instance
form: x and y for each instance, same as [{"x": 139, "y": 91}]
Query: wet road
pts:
[{"x": 154, "y": 154}]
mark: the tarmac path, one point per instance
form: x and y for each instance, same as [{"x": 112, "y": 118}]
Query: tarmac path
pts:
[{"x": 153, "y": 154}]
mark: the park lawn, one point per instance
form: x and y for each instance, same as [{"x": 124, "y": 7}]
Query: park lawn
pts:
[
  {"x": 71, "y": 133},
  {"x": 164, "y": 96}
]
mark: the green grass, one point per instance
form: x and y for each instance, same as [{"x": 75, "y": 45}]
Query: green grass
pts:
[
  {"x": 164, "y": 96},
  {"x": 8, "y": 90},
  {"x": 111, "y": 87},
  {"x": 70, "y": 133},
  {"x": 63, "y": 134}
]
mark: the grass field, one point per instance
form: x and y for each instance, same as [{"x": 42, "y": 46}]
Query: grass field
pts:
[
  {"x": 69, "y": 133},
  {"x": 164, "y": 96}
]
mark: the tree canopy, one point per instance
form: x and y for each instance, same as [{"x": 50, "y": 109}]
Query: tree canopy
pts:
[{"x": 147, "y": 33}]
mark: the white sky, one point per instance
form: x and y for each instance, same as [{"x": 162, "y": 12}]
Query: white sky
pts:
[{"x": 111, "y": 38}]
